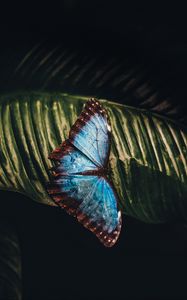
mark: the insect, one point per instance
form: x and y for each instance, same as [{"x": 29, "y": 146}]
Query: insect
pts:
[{"x": 80, "y": 181}]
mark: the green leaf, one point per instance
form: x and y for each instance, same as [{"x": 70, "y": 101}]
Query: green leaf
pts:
[
  {"x": 147, "y": 161},
  {"x": 10, "y": 263}
]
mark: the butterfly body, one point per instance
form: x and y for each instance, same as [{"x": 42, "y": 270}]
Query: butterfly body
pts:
[{"x": 80, "y": 182}]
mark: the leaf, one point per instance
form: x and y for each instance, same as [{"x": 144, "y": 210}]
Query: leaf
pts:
[
  {"x": 147, "y": 161},
  {"x": 10, "y": 263}
]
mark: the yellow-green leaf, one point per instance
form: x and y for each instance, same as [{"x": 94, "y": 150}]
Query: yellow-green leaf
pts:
[{"x": 147, "y": 161}]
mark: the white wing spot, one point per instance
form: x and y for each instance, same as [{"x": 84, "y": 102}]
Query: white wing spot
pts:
[
  {"x": 108, "y": 127},
  {"x": 119, "y": 215}
]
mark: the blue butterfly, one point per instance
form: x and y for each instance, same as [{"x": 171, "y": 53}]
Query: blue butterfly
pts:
[{"x": 80, "y": 182}]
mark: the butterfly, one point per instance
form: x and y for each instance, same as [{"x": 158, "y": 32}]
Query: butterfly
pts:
[{"x": 80, "y": 182}]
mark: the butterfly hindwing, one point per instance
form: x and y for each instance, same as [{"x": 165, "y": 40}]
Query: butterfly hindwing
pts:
[{"x": 92, "y": 201}]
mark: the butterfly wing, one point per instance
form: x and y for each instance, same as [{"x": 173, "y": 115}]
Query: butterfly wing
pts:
[
  {"x": 89, "y": 198},
  {"x": 91, "y": 133},
  {"x": 70, "y": 160},
  {"x": 92, "y": 200}
]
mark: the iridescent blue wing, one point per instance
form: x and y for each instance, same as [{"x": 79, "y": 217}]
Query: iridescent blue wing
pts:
[
  {"x": 92, "y": 200},
  {"x": 70, "y": 160},
  {"x": 89, "y": 198},
  {"x": 91, "y": 133}
]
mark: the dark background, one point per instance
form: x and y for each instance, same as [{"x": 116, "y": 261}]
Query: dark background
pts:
[{"x": 61, "y": 260}]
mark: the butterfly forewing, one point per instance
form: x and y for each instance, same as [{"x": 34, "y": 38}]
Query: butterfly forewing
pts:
[
  {"x": 91, "y": 133},
  {"x": 71, "y": 160}
]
